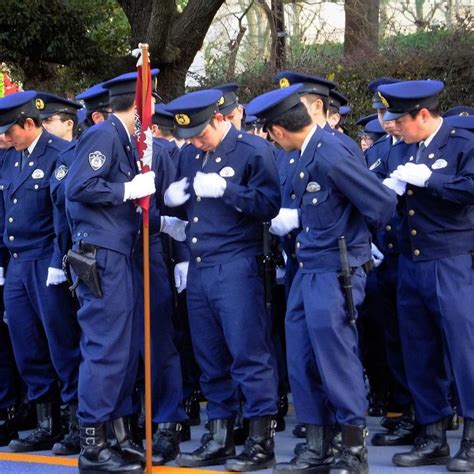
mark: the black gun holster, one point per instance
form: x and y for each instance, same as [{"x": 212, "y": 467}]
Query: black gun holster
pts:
[{"x": 84, "y": 264}]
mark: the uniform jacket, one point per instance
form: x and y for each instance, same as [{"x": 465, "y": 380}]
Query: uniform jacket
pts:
[{"x": 349, "y": 144}]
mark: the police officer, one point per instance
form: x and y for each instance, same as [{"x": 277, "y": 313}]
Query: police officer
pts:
[
  {"x": 435, "y": 273},
  {"x": 335, "y": 194},
  {"x": 229, "y": 105},
  {"x": 96, "y": 102},
  {"x": 100, "y": 192},
  {"x": 232, "y": 187},
  {"x": 42, "y": 324}
]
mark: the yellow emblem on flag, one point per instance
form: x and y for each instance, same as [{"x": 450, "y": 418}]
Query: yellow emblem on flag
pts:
[
  {"x": 284, "y": 82},
  {"x": 39, "y": 104},
  {"x": 182, "y": 119},
  {"x": 383, "y": 100}
]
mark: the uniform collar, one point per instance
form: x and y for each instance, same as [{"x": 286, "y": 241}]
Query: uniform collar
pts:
[
  {"x": 430, "y": 138},
  {"x": 34, "y": 142},
  {"x": 124, "y": 127},
  {"x": 308, "y": 138}
]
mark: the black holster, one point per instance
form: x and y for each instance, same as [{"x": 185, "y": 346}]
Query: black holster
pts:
[{"x": 84, "y": 264}]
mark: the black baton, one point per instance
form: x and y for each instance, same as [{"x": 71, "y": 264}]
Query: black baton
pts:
[{"x": 345, "y": 279}]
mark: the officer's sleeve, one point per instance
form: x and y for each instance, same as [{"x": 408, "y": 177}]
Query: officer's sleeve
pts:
[
  {"x": 165, "y": 172},
  {"x": 458, "y": 188},
  {"x": 374, "y": 201},
  {"x": 88, "y": 174},
  {"x": 260, "y": 195}
]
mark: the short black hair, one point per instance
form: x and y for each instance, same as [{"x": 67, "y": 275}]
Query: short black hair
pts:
[
  {"x": 35, "y": 117},
  {"x": 435, "y": 111},
  {"x": 63, "y": 116},
  {"x": 310, "y": 97},
  {"x": 293, "y": 119},
  {"x": 122, "y": 103}
]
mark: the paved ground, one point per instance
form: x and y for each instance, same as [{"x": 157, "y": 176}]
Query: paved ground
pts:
[{"x": 379, "y": 458}]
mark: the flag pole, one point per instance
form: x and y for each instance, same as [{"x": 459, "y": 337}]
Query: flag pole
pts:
[{"x": 143, "y": 101}]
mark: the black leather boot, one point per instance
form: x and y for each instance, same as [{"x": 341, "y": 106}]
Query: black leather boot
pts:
[
  {"x": 193, "y": 409},
  {"x": 453, "y": 420},
  {"x": 282, "y": 411},
  {"x": 404, "y": 433},
  {"x": 216, "y": 446},
  {"x": 315, "y": 455},
  {"x": 132, "y": 449},
  {"x": 97, "y": 457},
  {"x": 166, "y": 442},
  {"x": 430, "y": 447},
  {"x": 377, "y": 404},
  {"x": 241, "y": 433},
  {"x": 258, "y": 452},
  {"x": 71, "y": 443},
  {"x": 8, "y": 429},
  {"x": 353, "y": 458},
  {"x": 299, "y": 430},
  {"x": 463, "y": 460},
  {"x": 390, "y": 422},
  {"x": 47, "y": 433}
]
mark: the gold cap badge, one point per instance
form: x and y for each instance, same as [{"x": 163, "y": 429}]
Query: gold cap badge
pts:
[
  {"x": 284, "y": 82},
  {"x": 182, "y": 119},
  {"x": 383, "y": 100},
  {"x": 39, "y": 104}
]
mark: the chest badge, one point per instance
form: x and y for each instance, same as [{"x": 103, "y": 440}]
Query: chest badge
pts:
[
  {"x": 61, "y": 172},
  {"x": 96, "y": 160},
  {"x": 227, "y": 172},
  {"x": 438, "y": 164},
  {"x": 313, "y": 187},
  {"x": 37, "y": 174}
]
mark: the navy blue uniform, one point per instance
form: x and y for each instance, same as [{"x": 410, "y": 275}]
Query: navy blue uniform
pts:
[
  {"x": 104, "y": 161},
  {"x": 337, "y": 196},
  {"x": 350, "y": 145},
  {"x": 35, "y": 310},
  {"x": 436, "y": 275},
  {"x": 229, "y": 324}
]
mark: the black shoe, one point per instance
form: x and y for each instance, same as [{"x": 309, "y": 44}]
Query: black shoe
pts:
[
  {"x": 130, "y": 447},
  {"x": 216, "y": 446},
  {"x": 258, "y": 452},
  {"x": 390, "y": 423},
  {"x": 353, "y": 457},
  {"x": 430, "y": 447},
  {"x": 377, "y": 405},
  {"x": 25, "y": 416},
  {"x": 315, "y": 455},
  {"x": 299, "y": 430},
  {"x": 8, "y": 429},
  {"x": 97, "y": 457},
  {"x": 166, "y": 442},
  {"x": 453, "y": 421},
  {"x": 193, "y": 409},
  {"x": 71, "y": 443},
  {"x": 463, "y": 460},
  {"x": 241, "y": 433},
  {"x": 45, "y": 435},
  {"x": 404, "y": 433}
]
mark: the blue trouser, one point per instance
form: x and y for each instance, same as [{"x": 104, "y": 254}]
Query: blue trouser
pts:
[
  {"x": 230, "y": 329},
  {"x": 9, "y": 380},
  {"x": 44, "y": 331},
  {"x": 106, "y": 341},
  {"x": 436, "y": 318},
  {"x": 326, "y": 375},
  {"x": 167, "y": 390}
]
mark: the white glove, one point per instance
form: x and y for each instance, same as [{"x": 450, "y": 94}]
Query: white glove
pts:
[
  {"x": 377, "y": 255},
  {"x": 2, "y": 276},
  {"x": 209, "y": 185},
  {"x": 55, "y": 276},
  {"x": 174, "y": 227},
  {"x": 285, "y": 222},
  {"x": 140, "y": 186},
  {"x": 395, "y": 185},
  {"x": 175, "y": 195},
  {"x": 417, "y": 175},
  {"x": 181, "y": 276}
]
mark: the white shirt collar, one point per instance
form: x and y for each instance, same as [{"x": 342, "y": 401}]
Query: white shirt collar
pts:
[
  {"x": 125, "y": 127},
  {"x": 34, "y": 142},
  {"x": 430, "y": 138},
  {"x": 307, "y": 139}
]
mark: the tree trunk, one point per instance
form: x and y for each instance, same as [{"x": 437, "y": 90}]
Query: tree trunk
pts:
[{"x": 362, "y": 27}]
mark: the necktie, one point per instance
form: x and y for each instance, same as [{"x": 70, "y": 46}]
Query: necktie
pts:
[
  {"x": 206, "y": 159},
  {"x": 25, "y": 154},
  {"x": 419, "y": 150}
]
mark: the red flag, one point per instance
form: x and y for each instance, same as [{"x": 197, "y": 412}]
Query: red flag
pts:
[{"x": 143, "y": 136}]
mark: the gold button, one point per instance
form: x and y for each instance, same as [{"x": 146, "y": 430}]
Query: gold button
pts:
[
  {"x": 416, "y": 252},
  {"x": 195, "y": 219},
  {"x": 411, "y": 212},
  {"x": 15, "y": 201},
  {"x": 198, "y": 199},
  {"x": 15, "y": 255},
  {"x": 198, "y": 259},
  {"x": 11, "y": 238},
  {"x": 410, "y": 192},
  {"x": 390, "y": 246},
  {"x": 301, "y": 265},
  {"x": 293, "y": 196},
  {"x": 301, "y": 175},
  {"x": 413, "y": 232},
  {"x": 315, "y": 200},
  {"x": 388, "y": 228},
  {"x": 10, "y": 219},
  {"x": 194, "y": 240}
]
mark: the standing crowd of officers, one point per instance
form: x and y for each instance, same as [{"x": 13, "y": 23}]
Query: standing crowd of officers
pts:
[{"x": 235, "y": 195}]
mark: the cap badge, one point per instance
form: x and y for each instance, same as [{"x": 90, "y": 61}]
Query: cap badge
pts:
[
  {"x": 182, "y": 119},
  {"x": 284, "y": 82},
  {"x": 221, "y": 101},
  {"x": 383, "y": 100},
  {"x": 39, "y": 104}
]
